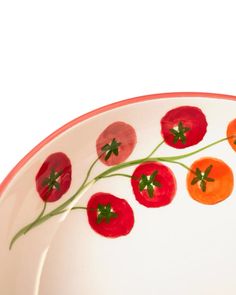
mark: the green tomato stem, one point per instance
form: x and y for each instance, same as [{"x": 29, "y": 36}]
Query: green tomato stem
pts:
[
  {"x": 178, "y": 163},
  {"x": 155, "y": 149},
  {"x": 117, "y": 174},
  {"x": 47, "y": 216},
  {"x": 195, "y": 152},
  {"x": 60, "y": 209},
  {"x": 107, "y": 173},
  {"x": 36, "y": 219},
  {"x": 73, "y": 208}
]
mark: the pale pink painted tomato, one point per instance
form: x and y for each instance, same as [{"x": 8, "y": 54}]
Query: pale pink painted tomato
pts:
[{"x": 116, "y": 143}]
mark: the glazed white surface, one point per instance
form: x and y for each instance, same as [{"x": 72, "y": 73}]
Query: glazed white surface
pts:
[{"x": 183, "y": 248}]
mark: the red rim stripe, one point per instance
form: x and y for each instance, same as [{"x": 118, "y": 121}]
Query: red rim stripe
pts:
[{"x": 95, "y": 112}]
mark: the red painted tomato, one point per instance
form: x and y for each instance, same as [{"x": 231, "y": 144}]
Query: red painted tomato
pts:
[
  {"x": 183, "y": 126},
  {"x": 54, "y": 177},
  {"x": 153, "y": 184},
  {"x": 110, "y": 216},
  {"x": 116, "y": 143}
]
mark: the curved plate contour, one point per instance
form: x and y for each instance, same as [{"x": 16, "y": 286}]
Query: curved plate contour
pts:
[{"x": 134, "y": 197}]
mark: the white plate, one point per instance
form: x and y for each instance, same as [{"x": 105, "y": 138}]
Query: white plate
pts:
[{"x": 185, "y": 247}]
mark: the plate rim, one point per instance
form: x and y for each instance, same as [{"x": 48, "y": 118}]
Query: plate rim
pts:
[{"x": 4, "y": 184}]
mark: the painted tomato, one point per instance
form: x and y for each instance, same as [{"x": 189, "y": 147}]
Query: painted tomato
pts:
[
  {"x": 231, "y": 134},
  {"x": 183, "y": 126},
  {"x": 116, "y": 143},
  {"x": 110, "y": 216},
  {"x": 210, "y": 181},
  {"x": 153, "y": 184},
  {"x": 54, "y": 177}
]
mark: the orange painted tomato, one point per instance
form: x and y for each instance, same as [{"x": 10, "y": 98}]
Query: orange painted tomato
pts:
[
  {"x": 231, "y": 134},
  {"x": 210, "y": 181}
]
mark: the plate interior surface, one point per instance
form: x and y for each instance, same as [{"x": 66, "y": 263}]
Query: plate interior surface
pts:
[{"x": 184, "y": 248}]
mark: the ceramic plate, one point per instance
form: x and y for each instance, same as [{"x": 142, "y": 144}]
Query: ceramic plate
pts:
[{"x": 137, "y": 197}]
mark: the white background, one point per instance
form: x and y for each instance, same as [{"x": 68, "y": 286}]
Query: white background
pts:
[{"x": 60, "y": 59}]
